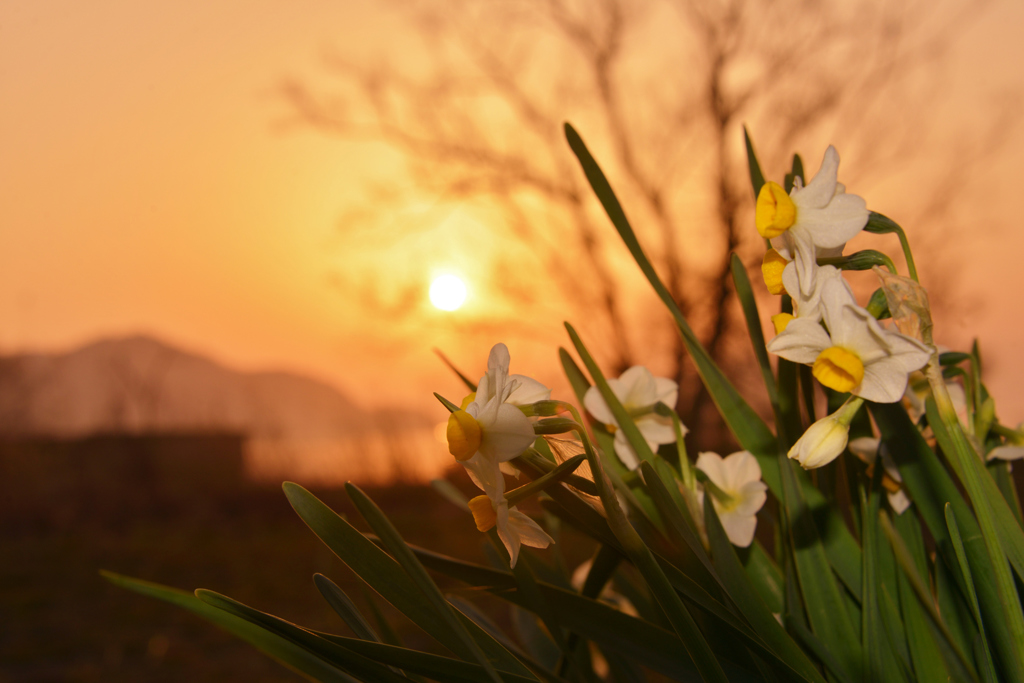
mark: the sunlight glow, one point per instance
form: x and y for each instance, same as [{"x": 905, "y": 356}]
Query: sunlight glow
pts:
[{"x": 447, "y": 292}]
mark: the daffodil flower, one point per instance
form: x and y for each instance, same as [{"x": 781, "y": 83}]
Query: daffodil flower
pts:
[
  {"x": 740, "y": 494},
  {"x": 638, "y": 391},
  {"x": 812, "y": 221},
  {"x": 489, "y": 430},
  {"x": 868, "y": 449},
  {"x": 856, "y": 354},
  {"x": 515, "y": 529}
]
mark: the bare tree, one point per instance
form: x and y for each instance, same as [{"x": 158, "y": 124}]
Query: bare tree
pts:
[{"x": 660, "y": 89}]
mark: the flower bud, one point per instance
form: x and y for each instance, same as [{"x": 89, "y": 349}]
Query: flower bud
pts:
[
  {"x": 821, "y": 443},
  {"x": 826, "y": 439}
]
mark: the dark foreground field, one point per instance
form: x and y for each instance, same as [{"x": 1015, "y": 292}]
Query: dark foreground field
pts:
[{"x": 60, "y": 523}]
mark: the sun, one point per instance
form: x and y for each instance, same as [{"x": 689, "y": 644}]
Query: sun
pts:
[{"x": 447, "y": 292}]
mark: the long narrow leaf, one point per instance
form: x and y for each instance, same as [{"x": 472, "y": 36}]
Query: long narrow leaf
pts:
[
  {"x": 359, "y": 666},
  {"x": 829, "y": 620},
  {"x": 293, "y": 656},
  {"x": 749, "y": 602},
  {"x": 404, "y": 556},
  {"x": 388, "y": 579},
  {"x": 345, "y": 608}
]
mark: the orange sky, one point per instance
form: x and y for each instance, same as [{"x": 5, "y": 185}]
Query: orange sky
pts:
[{"x": 146, "y": 186}]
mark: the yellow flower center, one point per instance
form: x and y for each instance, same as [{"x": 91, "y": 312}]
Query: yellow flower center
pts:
[
  {"x": 838, "y": 369},
  {"x": 771, "y": 269},
  {"x": 466, "y": 401},
  {"x": 775, "y": 212},
  {"x": 781, "y": 320},
  {"x": 483, "y": 513},
  {"x": 464, "y": 435}
]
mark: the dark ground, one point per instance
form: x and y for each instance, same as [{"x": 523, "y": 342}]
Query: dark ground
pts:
[{"x": 60, "y": 524}]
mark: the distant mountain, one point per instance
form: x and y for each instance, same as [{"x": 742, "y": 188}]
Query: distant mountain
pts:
[{"x": 139, "y": 384}]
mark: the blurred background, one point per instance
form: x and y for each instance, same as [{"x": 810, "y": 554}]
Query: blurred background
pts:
[{"x": 220, "y": 223}]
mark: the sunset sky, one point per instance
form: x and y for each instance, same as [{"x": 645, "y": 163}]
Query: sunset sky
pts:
[{"x": 153, "y": 180}]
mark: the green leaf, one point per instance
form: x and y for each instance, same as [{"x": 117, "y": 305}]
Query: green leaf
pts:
[
  {"x": 355, "y": 664},
  {"x": 765, "y": 576},
  {"x": 451, "y": 366},
  {"x": 449, "y": 492},
  {"x": 432, "y": 666},
  {"x": 818, "y": 649},
  {"x": 283, "y": 650},
  {"x": 396, "y": 545},
  {"x": 829, "y": 620},
  {"x": 959, "y": 667},
  {"x": 389, "y": 579},
  {"x": 879, "y": 659},
  {"x": 345, "y": 608},
  {"x": 986, "y": 665},
  {"x": 1002, "y": 538},
  {"x": 925, "y": 655},
  {"x": 749, "y": 602},
  {"x": 756, "y": 177},
  {"x": 753, "y": 319}
]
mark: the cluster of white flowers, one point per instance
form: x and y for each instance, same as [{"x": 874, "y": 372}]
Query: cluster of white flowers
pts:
[
  {"x": 848, "y": 349},
  {"x": 735, "y": 481}
]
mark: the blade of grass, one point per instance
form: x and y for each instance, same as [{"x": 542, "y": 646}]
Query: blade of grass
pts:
[
  {"x": 985, "y": 665},
  {"x": 289, "y": 654},
  {"x": 925, "y": 657},
  {"x": 749, "y": 602},
  {"x": 345, "y": 608},
  {"x": 357, "y": 665},
  {"x": 959, "y": 666},
  {"x": 829, "y": 620},
  {"x": 398, "y": 549},
  {"x": 388, "y": 578}
]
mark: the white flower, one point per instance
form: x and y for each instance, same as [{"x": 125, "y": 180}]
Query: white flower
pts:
[
  {"x": 638, "y": 391},
  {"x": 738, "y": 476},
  {"x": 525, "y": 390},
  {"x": 812, "y": 221},
  {"x": 808, "y": 304},
  {"x": 856, "y": 355},
  {"x": 867, "y": 449},
  {"x": 490, "y": 430},
  {"x": 514, "y": 528}
]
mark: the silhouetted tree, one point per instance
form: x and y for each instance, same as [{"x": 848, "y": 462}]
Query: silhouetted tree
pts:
[{"x": 660, "y": 91}]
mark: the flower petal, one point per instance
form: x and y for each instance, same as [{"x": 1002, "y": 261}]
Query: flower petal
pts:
[
  {"x": 822, "y": 188},
  {"x": 527, "y": 391},
  {"x": 739, "y": 528},
  {"x": 625, "y": 451},
  {"x": 801, "y": 341},
  {"x": 530, "y": 533},
  {"x": 507, "y": 434}
]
